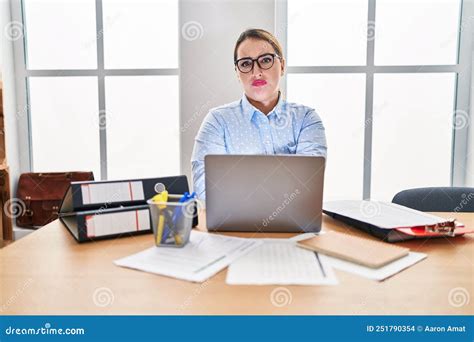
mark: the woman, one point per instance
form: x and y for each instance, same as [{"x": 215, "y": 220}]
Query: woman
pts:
[{"x": 261, "y": 122}]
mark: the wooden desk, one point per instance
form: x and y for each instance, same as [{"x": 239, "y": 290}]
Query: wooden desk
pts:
[{"x": 47, "y": 272}]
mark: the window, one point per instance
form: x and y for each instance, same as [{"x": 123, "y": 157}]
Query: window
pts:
[
  {"x": 412, "y": 131},
  {"x": 103, "y": 76},
  {"x": 384, "y": 76},
  {"x": 72, "y": 118},
  {"x": 344, "y": 169}
]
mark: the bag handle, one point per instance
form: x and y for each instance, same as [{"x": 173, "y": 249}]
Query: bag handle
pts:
[{"x": 56, "y": 175}]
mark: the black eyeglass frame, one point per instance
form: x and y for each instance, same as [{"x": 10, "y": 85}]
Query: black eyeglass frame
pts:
[{"x": 274, "y": 55}]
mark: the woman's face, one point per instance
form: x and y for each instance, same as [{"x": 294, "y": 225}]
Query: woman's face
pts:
[{"x": 259, "y": 84}]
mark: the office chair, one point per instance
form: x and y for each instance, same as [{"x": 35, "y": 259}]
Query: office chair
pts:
[{"x": 447, "y": 199}]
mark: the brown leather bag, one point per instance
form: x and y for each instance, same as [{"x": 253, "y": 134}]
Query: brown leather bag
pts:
[{"x": 40, "y": 195}]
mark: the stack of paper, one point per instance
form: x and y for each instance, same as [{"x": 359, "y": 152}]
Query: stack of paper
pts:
[
  {"x": 280, "y": 262},
  {"x": 203, "y": 256},
  {"x": 380, "y": 274},
  {"x": 254, "y": 261}
]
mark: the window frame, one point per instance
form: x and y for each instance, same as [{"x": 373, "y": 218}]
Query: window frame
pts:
[
  {"x": 22, "y": 85},
  {"x": 462, "y": 70}
]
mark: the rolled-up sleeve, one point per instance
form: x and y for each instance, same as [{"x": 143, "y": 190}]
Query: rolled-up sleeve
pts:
[
  {"x": 312, "y": 136},
  {"x": 209, "y": 140}
]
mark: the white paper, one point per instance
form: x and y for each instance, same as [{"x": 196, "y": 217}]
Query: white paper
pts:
[
  {"x": 380, "y": 273},
  {"x": 203, "y": 256},
  {"x": 281, "y": 262},
  {"x": 305, "y": 236},
  {"x": 382, "y": 214}
]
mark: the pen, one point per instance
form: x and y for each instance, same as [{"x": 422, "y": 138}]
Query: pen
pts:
[
  {"x": 178, "y": 238},
  {"x": 161, "y": 197},
  {"x": 167, "y": 231}
]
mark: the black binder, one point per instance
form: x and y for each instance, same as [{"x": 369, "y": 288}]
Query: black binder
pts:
[
  {"x": 391, "y": 222},
  {"x": 388, "y": 235},
  {"x": 94, "y": 210}
]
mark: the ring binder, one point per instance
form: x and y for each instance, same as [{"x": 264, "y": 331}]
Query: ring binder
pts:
[
  {"x": 393, "y": 222},
  {"x": 95, "y": 210}
]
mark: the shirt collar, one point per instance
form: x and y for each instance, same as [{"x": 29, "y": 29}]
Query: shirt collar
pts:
[{"x": 249, "y": 110}]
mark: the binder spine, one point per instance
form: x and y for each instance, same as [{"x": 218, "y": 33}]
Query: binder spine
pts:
[
  {"x": 112, "y": 192},
  {"x": 106, "y": 224}
]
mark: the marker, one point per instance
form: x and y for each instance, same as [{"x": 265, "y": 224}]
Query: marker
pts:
[
  {"x": 161, "y": 197},
  {"x": 178, "y": 238}
]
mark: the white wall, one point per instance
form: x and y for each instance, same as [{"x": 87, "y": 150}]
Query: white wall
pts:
[
  {"x": 470, "y": 151},
  {"x": 207, "y": 72},
  {"x": 9, "y": 103}
]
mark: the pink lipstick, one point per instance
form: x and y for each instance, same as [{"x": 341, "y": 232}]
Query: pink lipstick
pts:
[{"x": 259, "y": 83}]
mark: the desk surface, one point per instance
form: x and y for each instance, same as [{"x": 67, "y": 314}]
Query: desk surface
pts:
[{"x": 47, "y": 272}]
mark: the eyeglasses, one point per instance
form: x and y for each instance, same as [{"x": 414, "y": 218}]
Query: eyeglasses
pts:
[{"x": 265, "y": 62}]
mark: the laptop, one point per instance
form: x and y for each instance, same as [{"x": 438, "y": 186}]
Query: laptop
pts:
[{"x": 267, "y": 193}]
